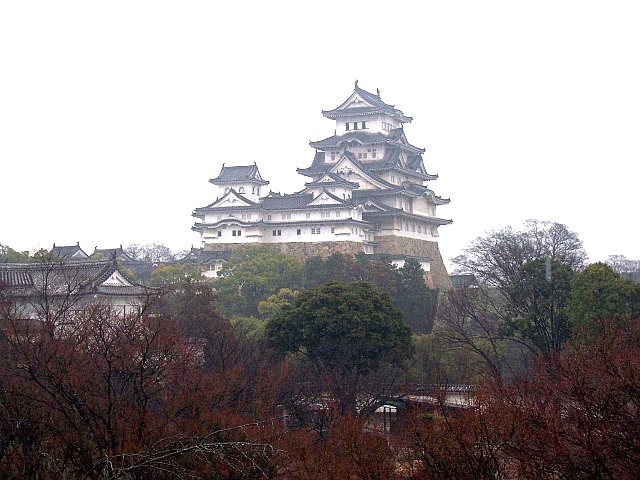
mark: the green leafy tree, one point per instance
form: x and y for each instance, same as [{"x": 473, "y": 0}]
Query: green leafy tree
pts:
[
  {"x": 172, "y": 274},
  {"x": 383, "y": 275},
  {"x": 418, "y": 302},
  {"x": 347, "y": 332},
  {"x": 252, "y": 275},
  {"x": 599, "y": 294},
  {"x": 344, "y": 268},
  {"x": 271, "y": 305},
  {"x": 314, "y": 272},
  {"x": 9, "y": 255}
]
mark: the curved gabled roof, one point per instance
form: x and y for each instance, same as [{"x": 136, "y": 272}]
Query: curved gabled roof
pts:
[
  {"x": 67, "y": 278},
  {"x": 109, "y": 253},
  {"x": 242, "y": 173},
  {"x": 415, "y": 166},
  {"x": 336, "y": 180},
  {"x": 396, "y": 139},
  {"x": 68, "y": 252},
  {"x": 360, "y": 136},
  {"x": 421, "y": 190},
  {"x": 198, "y": 255},
  {"x": 361, "y": 103}
]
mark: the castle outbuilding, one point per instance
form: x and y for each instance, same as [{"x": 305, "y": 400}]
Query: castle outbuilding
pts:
[{"x": 367, "y": 192}]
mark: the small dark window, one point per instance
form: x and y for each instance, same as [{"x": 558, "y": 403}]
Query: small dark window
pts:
[
  {"x": 355, "y": 125},
  {"x": 347, "y": 126},
  {"x": 219, "y": 233},
  {"x": 298, "y": 231},
  {"x": 364, "y": 125}
]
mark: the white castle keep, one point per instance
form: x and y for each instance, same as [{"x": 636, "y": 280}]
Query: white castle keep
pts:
[{"x": 367, "y": 192}]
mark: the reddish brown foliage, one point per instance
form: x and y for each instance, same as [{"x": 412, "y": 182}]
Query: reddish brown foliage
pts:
[
  {"x": 576, "y": 417},
  {"x": 105, "y": 396}
]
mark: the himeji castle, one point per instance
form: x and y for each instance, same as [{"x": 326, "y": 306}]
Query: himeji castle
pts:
[{"x": 367, "y": 191}]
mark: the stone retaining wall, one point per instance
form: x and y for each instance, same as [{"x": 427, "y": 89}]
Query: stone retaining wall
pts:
[{"x": 437, "y": 277}]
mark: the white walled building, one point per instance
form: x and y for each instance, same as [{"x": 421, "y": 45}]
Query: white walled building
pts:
[{"x": 367, "y": 192}]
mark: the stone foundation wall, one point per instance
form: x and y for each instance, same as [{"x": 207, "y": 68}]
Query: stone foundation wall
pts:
[
  {"x": 300, "y": 250},
  {"x": 437, "y": 277}
]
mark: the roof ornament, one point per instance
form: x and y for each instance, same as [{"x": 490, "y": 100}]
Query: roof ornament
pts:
[
  {"x": 378, "y": 90},
  {"x": 356, "y": 83}
]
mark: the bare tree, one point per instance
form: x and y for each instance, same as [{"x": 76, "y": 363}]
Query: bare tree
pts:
[
  {"x": 497, "y": 258},
  {"x": 622, "y": 264}
]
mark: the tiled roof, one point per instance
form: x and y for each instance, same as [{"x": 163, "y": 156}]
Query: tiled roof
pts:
[
  {"x": 295, "y": 200},
  {"x": 363, "y": 137},
  {"x": 68, "y": 252},
  {"x": 324, "y": 167},
  {"x": 337, "y": 180},
  {"x": 109, "y": 253},
  {"x": 14, "y": 278},
  {"x": 241, "y": 173},
  {"x": 128, "y": 290},
  {"x": 64, "y": 278},
  {"x": 198, "y": 255},
  {"x": 377, "y": 105},
  {"x": 363, "y": 193}
]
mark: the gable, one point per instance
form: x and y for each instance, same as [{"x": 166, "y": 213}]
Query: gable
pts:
[
  {"x": 326, "y": 199},
  {"x": 326, "y": 179},
  {"x": 348, "y": 170},
  {"x": 372, "y": 206},
  {"x": 231, "y": 199},
  {"x": 355, "y": 101},
  {"x": 116, "y": 280}
]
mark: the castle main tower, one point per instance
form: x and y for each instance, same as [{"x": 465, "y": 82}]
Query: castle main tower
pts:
[{"x": 368, "y": 192}]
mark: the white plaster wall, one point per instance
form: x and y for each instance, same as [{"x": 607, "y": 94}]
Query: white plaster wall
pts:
[
  {"x": 247, "y": 186},
  {"x": 374, "y": 123},
  {"x": 426, "y": 266},
  {"x": 421, "y": 206}
]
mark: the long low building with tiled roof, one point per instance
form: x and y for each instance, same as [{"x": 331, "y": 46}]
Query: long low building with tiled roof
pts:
[
  {"x": 34, "y": 287},
  {"x": 367, "y": 193}
]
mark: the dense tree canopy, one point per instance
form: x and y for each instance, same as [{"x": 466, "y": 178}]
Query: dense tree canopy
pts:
[
  {"x": 346, "y": 331},
  {"x": 405, "y": 286},
  {"x": 9, "y": 255},
  {"x": 252, "y": 275},
  {"x": 598, "y": 294},
  {"x": 172, "y": 274},
  {"x": 418, "y": 303}
]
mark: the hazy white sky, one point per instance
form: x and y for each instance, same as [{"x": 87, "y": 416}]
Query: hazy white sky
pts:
[{"x": 114, "y": 115}]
